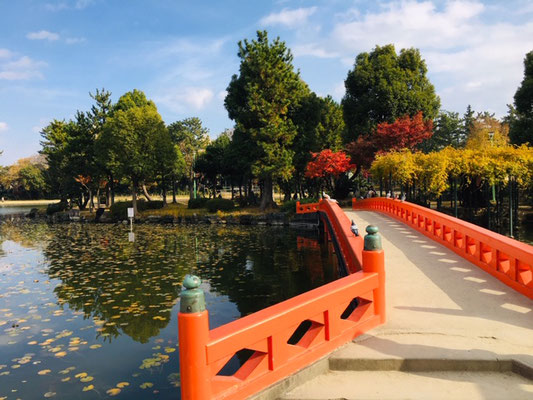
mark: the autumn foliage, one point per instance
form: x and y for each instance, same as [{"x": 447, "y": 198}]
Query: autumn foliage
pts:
[
  {"x": 328, "y": 164},
  {"x": 404, "y": 133}
]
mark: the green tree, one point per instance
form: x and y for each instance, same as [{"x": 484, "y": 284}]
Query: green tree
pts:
[
  {"x": 448, "y": 131},
  {"x": 384, "y": 86},
  {"x": 213, "y": 162},
  {"x": 132, "y": 132},
  {"x": 261, "y": 100},
  {"x": 191, "y": 138},
  {"x": 521, "y": 130}
]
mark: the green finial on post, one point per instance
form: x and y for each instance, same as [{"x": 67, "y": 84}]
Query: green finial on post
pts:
[
  {"x": 372, "y": 239},
  {"x": 192, "y": 299}
]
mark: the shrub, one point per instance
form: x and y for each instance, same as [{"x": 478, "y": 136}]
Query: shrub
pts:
[
  {"x": 56, "y": 207},
  {"x": 214, "y": 205},
  {"x": 199, "y": 202},
  {"x": 119, "y": 210}
]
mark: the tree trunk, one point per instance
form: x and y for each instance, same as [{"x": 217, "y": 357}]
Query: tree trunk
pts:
[
  {"x": 174, "y": 201},
  {"x": 91, "y": 201},
  {"x": 163, "y": 183},
  {"x": 112, "y": 187},
  {"x": 267, "y": 200},
  {"x": 134, "y": 196},
  {"x": 145, "y": 192}
]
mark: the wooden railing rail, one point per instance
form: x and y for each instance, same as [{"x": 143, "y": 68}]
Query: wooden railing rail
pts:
[
  {"x": 507, "y": 259},
  {"x": 288, "y": 336}
]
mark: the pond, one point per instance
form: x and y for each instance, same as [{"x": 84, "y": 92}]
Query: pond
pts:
[{"x": 85, "y": 313}]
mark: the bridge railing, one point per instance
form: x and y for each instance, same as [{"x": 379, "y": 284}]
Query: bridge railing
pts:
[
  {"x": 306, "y": 208},
  {"x": 507, "y": 259},
  {"x": 286, "y": 337}
]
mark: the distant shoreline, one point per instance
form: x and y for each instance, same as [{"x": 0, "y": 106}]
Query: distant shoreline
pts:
[{"x": 27, "y": 202}]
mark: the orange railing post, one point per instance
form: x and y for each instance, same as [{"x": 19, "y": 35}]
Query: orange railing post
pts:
[
  {"x": 193, "y": 331},
  {"x": 374, "y": 261}
]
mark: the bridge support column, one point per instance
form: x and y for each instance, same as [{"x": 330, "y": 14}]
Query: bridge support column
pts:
[
  {"x": 374, "y": 261},
  {"x": 193, "y": 331}
]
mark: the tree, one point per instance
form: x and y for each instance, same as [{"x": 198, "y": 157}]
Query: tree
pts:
[
  {"x": 449, "y": 131},
  {"x": 522, "y": 124},
  {"x": 328, "y": 165},
  {"x": 404, "y": 133},
  {"x": 261, "y": 100},
  {"x": 132, "y": 132},
  {"x": 24, "y": 179},
  {"x": 212, "y": 162},
  {"x": 384, "y": 86},
  {"x": 191, "y": 138},
  {"x": 486, "y": 132}
]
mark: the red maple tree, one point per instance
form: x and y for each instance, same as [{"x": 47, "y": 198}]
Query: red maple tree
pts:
[
  {"x": 405, "y": 132},
  {"x": 328, "y": 164}
]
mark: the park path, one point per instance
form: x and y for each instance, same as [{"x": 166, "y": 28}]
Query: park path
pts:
[{"x": 452, "y": 330}]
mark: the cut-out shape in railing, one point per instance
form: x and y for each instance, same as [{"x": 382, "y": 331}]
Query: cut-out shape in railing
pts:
[
  {"x": 414, "y": 219},
  {"x": 242, "y": 364},
  {"x": 485, "y": 253},
  {"x": 305, "y": 333},
  {"x": 504, "y": 262},
  {"x": 363, "y": 308},
  {"x": 437, "y": 229},
  {"x": 447, "y": 234},
  {"x": 429, "y": 225},
  {"x": 458, "y": 239},
  {"x": 470, "y": 246},
  {"x": 524, "y": 273}
]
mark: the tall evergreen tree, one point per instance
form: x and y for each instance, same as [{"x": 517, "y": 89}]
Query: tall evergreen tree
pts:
[
  {"x": 261, "y": 100},
  {"x": 384, "y": 86},
  {"x": 522, "y": 124}
]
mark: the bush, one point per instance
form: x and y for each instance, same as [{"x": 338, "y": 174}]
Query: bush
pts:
[
  {"x": 214, "y": 205},
  {"x": 119, "y": 210},
  {"x": 56, "y": 207},
  {"x": 199, "y": 202}
]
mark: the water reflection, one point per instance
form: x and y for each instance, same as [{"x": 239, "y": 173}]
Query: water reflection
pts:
[{"x": 82, "y": 299}]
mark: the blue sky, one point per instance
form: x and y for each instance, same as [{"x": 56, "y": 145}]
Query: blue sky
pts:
[{"x": 182, "y": 54}]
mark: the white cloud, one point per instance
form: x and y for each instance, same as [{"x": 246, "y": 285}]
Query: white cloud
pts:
[
  {"x": 69, "y": 4},
  {"x": 289, "y": 18},
  {"x": 43, "y": 35},
  {"x": 184, "y": 99},
  {"x": 5, "y": 53},
  {"x": 222, "y": 95},
  {"x": 75, "y": 40},
  {"x": 21, "y": 68},
  {"x": 312, "y": 49},
  {"x": 3, "y": 126}
]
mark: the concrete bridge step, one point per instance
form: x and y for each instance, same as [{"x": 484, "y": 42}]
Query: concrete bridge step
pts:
[{"x": 414, "y": 385}]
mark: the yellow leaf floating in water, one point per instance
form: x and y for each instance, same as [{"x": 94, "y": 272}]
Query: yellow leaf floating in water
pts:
[
  {"x": 87, "y": 388},
  {"x": 86, "y": 379},
  {"x": 44, "y": 372},
  {"x": 61, "y": 354},
  {"x": 65, "y": 379},
  {"x": 81, "y": 375},
  {"x": 49, "y": 394},
  {"x": 170, "y": 349},
  {"x": 95, "y": 346},
  {"x": 122, "y": 384},
  {"x": 113, "y": 392},
  {"x": 32, "y": 342},
  {"x": 159, "y": 318},
  {"x": 146, "y": 385}
]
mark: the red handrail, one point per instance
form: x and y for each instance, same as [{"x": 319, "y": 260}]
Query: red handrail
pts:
[
  {"x": 267, "y": 332},
  {"x": 507, "y": 259}
]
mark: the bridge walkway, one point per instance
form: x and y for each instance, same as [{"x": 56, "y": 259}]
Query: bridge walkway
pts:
[{"x": 452, "y": 330}]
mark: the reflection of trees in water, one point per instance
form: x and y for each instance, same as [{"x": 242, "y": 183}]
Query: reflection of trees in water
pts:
[
  {"x": 265, "y": 269},
  {"x": 125, "y": 287},
  {"x": 26, "y": 234},
  {"x": 131, "y": 288}
]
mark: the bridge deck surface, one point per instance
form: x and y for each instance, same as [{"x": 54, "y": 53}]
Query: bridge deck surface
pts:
[{"x": 442, "y": 314}]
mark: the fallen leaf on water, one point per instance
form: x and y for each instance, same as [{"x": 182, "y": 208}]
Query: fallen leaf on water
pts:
[
  {"x": 113, "y": 392},
  {"x": 170, "y": 349},
  {"x": 122, "y": 384},
  {"x": 95, "y": 346},
  {"x": 86, "y": 379},
  {"x": 65, "y": 379},
  {"x": 44, "y": 371},
  {"x": 81, "y": 375},
  {"x": 49, "y": 394},
  {"x": 87, "y": 388},
  {"x": 146, "y": 385},
  {"x": 61, "y": 354}
]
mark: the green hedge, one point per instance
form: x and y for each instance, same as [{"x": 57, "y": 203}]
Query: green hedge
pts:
[
  {"x": 199, "y": 202},
  {"x": 119, "y": 210},
  {"x": 56, "y": 207},
  {"x": 214, "y": 205}
]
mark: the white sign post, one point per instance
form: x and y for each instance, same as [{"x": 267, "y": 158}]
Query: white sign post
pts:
[{"x": 131, "y": 215}]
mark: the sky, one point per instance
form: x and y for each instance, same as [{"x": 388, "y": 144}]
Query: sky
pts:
[{"x": 182, "y": 54}]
